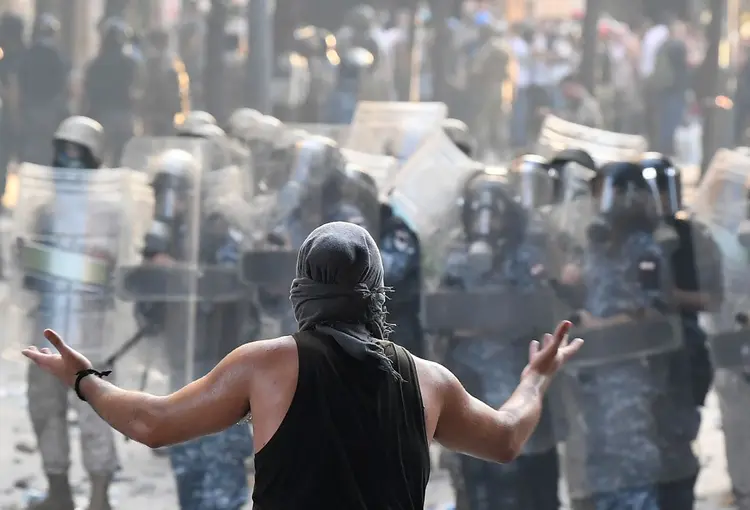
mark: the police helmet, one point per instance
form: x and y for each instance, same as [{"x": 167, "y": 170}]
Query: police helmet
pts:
[
  {"x": 659, "y": 170},
  {"x": 83, "y": 131},
  {"x": 559, "y": 166},
  {"x": 459, "y": 134},
  {"x": 488, "y": 211},
  {"x": 194, "y": 119},
  {"x": 533, "y": 181},
  {"x": 624, "y": 200},
  {"x": 242, "y": 121},
  {"x": 174, "y": 169}
]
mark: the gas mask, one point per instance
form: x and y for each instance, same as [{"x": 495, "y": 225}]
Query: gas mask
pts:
[
  {"x": 487, "y": 229},
  {"x": 72, "y": 155}
]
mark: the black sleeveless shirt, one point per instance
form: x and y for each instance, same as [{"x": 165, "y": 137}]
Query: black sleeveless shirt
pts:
[{"x": 354, "y": 437}]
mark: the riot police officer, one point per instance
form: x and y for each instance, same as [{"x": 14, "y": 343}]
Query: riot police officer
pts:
[
  {"x": 401, "y": 253},
  {"x": 625, "y": 292},
  {"x": 111, "y": 87},
  {"x": 495, "y": 254},
  {"x": 209, "y": 472},
  {"x": 351, "y": 195},
  {"x": 43, "y": 78},
  {"x": 76, "y": 305},
  {"x": 698, "y": 288}
]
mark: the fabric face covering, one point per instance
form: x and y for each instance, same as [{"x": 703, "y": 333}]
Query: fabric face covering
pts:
[{"x": 339, "y": 291}]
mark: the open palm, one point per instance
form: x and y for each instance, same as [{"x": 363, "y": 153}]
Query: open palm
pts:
[
  {"x": 64, "y": 364},
  {"x": 549, "y": 356}
]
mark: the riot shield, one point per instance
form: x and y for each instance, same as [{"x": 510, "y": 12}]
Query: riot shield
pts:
[
  {"x": 722, "y": 204},
  {"x": 604, "y": 146},
  {"x": 394, "y": 129},
  {"x": 68, "y": 229},
  {"x": 140, "y": 152},
  {"x": 383, "y": 169},
  {"x": 616, "y": 394},
  {"x": 427, "y": 190},
  {"x": 185, "y": 295}
]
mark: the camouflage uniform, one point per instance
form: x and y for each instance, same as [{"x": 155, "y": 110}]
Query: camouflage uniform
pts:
[
  {"x": 617, "y": 451},
  {"x": 490, "y": 368}
]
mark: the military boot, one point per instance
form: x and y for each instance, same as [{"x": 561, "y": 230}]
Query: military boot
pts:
[
  {"x": 59, "y": 495},
  {"x": 100, "y": 492}
]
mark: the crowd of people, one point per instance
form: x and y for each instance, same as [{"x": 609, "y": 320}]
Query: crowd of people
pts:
[{"x": 476, "y": 259}]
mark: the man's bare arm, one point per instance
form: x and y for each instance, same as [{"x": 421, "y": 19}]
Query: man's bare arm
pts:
[
  {"x": 468, "y": 425},
  {"x": 208, "y": 405}
]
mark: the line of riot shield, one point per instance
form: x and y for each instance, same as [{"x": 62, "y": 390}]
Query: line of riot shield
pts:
[
  {"x": 394, "y": 129},
  {"x": 614, "y": 392},
  {"x": 383, "y": 169},
  {"x": 557, "y": 134},
  {"x": 69, "y": 226},
  {"x": 185, "y": 285},
  {"x": 722, "y": 203}
]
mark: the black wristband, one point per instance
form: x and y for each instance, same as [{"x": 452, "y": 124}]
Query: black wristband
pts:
[{"x": 85, "y": 373}]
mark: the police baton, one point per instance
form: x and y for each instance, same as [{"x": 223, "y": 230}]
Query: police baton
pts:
[{"x": 127, "y": 346}]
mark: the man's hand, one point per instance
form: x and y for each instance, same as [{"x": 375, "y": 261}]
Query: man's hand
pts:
[
  {"x": 64, "y": 365},
  {"x": 547, "y": 359}
]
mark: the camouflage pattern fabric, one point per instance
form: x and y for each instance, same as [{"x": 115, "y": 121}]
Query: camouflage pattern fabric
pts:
[
  {"x": 210, "y": 472},
  {"x": 616, "y": 427}
]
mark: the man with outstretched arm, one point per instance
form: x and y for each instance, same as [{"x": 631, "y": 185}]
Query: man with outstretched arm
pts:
[{"x": 339, "y": 414}]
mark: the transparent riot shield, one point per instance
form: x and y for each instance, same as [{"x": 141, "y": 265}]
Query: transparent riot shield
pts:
[
  {"x": 615, "y": 395},
  {"x": 181, "y": 293},
  {"x": 426, "y": 193},
  {"x": 68, "y": 226},
  {"x": 140, "y": 152},
  {"x": 604, "y": 146},
  {"x": 722, "y": 203},
  {"x": 383, "y": 169},
  {"x": 393, "y": 128}
]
